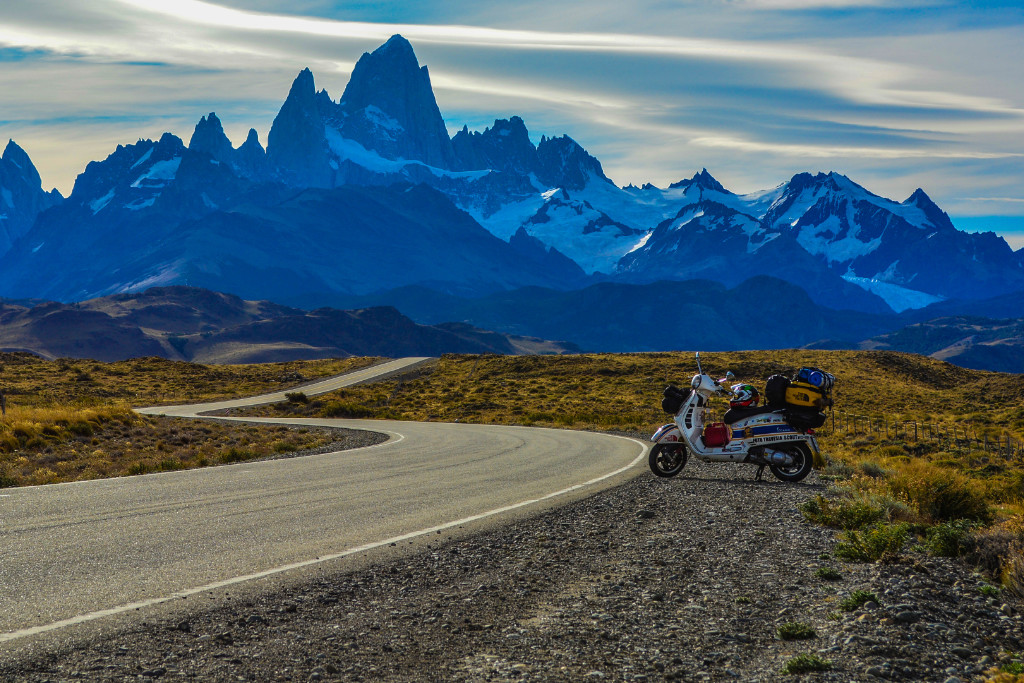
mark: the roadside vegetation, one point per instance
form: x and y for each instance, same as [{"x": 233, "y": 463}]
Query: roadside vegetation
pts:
[
  {"x": 69, "y": 420},
  {"x": 889, "y": 495}
]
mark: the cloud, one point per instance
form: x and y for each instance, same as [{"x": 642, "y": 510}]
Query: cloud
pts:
[{"x": 653, "y": 90}]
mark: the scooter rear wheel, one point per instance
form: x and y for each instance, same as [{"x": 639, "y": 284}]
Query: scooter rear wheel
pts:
[
  {"x": 803, "y": 461},
  {"x": 667, "y": 459}
]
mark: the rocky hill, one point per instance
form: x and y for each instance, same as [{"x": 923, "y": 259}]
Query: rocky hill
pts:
[{"x": 185, "y": 323}]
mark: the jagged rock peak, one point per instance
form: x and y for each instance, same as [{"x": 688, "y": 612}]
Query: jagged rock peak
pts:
[
  {"x": 937, "y": 217},
  {"x": 564, "y": 163},
  {"x": 303, "y": 85},
  {"x": 389, "y": 107},
  {"x": 919, "y": 198},
  {"x": 296, "y": 144},
  {"x": 14, "y": 154},
  {"x": 209, "y": 138},
  {"x": 703, "y": 181},
  {"x": 252, "y": 141}
]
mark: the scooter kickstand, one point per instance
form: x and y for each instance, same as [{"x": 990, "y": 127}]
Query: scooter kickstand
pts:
[{"x": 760, "y": 472}]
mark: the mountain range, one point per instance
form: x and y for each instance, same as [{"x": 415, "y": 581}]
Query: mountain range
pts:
[
  {"x": 192, "y": 324},
  {"x": 369, "y": 196}
]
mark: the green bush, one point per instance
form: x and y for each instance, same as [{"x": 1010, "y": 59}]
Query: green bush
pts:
[
  {"x": 296, "y": 397},
  {"x": 941, "y": 495},
  {"x": 847, "y": 513},
  {"x": 795, "y": 631},
  {"x": 856, "y": 599},
  {"x": 806, "y": 663},
  {"x": 872, "y": 469},
  {"x": 828, "y": 574},
  {"x": 949, "y": 538},
  {"x": 345, "y": 409},
  {"x": 80, "y": 428},
  {"x": 6, "y": 480},
  {"x": 8, "y": 443},
  {"x": 237, "y": 455},
  {"x": 881, "y": 541}
]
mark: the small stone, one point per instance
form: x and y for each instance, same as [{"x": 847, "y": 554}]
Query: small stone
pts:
[
  {"x": 645, "y": 514},
  {"x": 907, "y": 616},
  {"x": 870, "y": 604},
  {"x": 1007, "y": 610},
  {"x": 155, "y": 673},
  {"x": 876, "y": 671},
  {"x": 962, "y": 652},
  {"x": 952, "y": 679}
]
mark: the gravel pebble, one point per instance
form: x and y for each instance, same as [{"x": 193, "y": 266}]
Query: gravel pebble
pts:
[{"x": 593, "y": 590}]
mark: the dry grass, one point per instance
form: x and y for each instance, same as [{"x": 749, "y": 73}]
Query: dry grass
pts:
[
  {"x": 31, "y": 381},
  {"x": 69, "y": 420},
  {"x": 623, "y": 391},
  {"x": 127, "y": 444},
  {"x": 918, "y": 482},
  {"x": 889, "y": 481}
]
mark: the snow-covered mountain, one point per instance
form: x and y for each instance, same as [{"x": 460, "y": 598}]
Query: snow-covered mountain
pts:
[
  {"x": 526, "y": 214},
  {"x": 21, "y": 195},
  {"x": 908, "y": 253}
]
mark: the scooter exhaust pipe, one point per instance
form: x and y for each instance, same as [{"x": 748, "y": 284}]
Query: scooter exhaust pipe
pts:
[{"x": 778, "y": 458}]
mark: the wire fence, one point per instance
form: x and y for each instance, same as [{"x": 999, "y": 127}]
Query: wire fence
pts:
[{"x": 955, "y": 436}]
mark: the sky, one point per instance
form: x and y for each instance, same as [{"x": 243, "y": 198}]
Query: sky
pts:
[{"x": 895, "y": 94}]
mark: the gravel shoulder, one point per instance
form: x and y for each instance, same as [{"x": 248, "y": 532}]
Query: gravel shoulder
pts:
[{"x": 680, "y": 579}]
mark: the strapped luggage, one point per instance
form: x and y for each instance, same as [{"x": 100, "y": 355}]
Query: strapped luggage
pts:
[
  {"x": 816, "y": 378},
  {"x": 775, "y": 391},
  {"x": 804, "y": 419},
  {"x": 674, "y": 399},
  {"x": 806, "y": 395}
]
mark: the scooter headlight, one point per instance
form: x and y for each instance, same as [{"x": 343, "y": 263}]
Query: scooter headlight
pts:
[{"x": 695, "y": 382}]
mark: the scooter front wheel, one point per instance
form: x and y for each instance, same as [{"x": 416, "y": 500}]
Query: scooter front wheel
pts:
[
  {"x": 667, "y": 459},
  {"x": 803, "y": 461}
]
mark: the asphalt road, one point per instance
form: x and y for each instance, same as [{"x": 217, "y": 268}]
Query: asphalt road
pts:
[{"x": 77, "y": 552}]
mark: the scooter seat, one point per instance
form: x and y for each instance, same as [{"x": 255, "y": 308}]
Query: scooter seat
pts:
[{"x": 736, "y": 414}]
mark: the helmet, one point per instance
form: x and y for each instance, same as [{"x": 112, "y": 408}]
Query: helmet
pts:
[{"x": 744, "y": 396}]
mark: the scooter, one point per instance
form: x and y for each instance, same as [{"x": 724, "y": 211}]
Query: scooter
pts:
[{"x": 758, "y": 436}]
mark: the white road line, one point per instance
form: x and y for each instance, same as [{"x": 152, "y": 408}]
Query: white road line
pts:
[{"x": 82, "y": 618}]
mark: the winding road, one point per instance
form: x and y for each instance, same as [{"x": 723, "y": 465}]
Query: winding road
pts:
[{"x": 73, "y": 553}]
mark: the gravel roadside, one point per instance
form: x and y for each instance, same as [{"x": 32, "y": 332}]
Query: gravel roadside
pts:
[{"x": 681, "y": 579}]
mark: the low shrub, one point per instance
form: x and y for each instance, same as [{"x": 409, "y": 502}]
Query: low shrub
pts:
[
  {"x": 806, "y": 663},
  {"x": 80, "y": 428},
  {"x": 345, "y": 409},
  {"x": 848, "y": 513},
  {"x": 795, "y": 631},
  {"x": 296, "y": 397},
  {"x": 878, "y": 542},
  {"x": 234, "y": 454},
  {"x": 948, "y": 539},
  {"x": 872, "y": 469},
  {"x": 940, "y": 495},
  {"x": 8, "y": 443},
  {"x": 828, "y": 574},
  {"x": 857, "y": 599}
]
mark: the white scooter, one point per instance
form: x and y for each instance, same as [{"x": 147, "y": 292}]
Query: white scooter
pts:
[{"x": 759, "y": 436}]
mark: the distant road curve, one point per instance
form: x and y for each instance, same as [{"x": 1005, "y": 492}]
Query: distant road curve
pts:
[{"x": 73, "y": 553}]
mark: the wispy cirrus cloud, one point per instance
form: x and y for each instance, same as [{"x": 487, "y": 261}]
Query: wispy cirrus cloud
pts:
[{"x": 755, "y": 88}]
